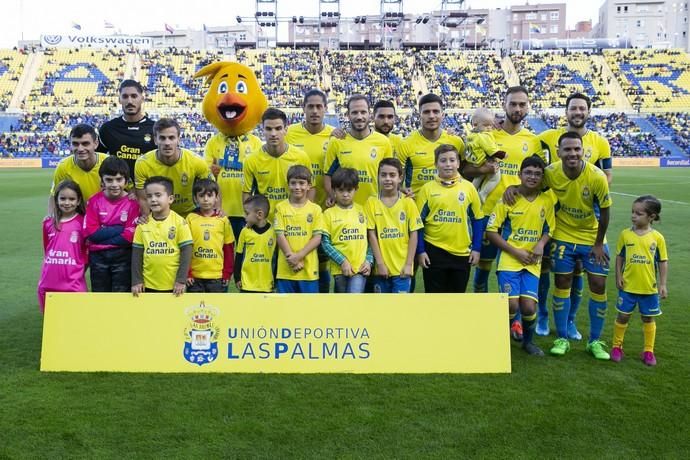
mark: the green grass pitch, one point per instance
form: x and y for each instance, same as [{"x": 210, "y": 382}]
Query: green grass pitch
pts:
[{"x": 568, "y": 407}]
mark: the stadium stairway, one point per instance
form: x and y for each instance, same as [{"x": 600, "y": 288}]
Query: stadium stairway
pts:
[
  {"x": 509, "y": 71},
  {"x": 537, "y": 125},
  {"x": 664, "y": 140},
  {"x": 31, "y": 68},
  {"x": 617, "y": 94}
]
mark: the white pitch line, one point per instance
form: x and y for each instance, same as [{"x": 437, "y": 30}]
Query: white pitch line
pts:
[{"x": 661, "y": 199}]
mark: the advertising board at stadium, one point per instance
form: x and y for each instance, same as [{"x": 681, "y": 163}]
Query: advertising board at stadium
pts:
[
  {"x": 380, "y": 333},
  {"x": 95, "y": 41}
]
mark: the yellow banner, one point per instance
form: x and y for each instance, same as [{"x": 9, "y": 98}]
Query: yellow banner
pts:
[
  {"x": 20, "y": 163},
  {"x": 635, "y": 161},
  {"x": 295, "y": 333}
]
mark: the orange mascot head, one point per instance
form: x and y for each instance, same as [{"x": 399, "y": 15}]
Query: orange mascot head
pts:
[{"x": 234, "y": 102}]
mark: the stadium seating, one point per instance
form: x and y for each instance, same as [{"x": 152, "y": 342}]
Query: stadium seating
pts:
[
  {"x": 552, "y": 76},
  {"x": 11, "y": 67},
  {"x": 652, "y": 78},
  {"x": 85, "y": 78},
  {"x": 285, "y": 74},
  {"x": 167, "y": 76},
  {"x": 676, "y": 126},
  {"x": 376, "y": 74},
  {"x": 75, "y": 86},
  {"x": 464, "y": 80}
]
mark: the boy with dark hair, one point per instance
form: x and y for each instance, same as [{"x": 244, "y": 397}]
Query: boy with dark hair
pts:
[
  {"x": 109, "y": 226},
  {"x": 212, "y": 237},
  {"x": 298, "y": 225},
  {"x": 344, "y": 237},
  {"x": 162, "y": 247},
  {"x": 256, "y": 246},
  {"x": 520, "y": 232}
]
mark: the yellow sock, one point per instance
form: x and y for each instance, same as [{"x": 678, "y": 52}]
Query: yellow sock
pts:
[
  {"x": 649, "y": 331},
  {"x": 619, "y": 333}
]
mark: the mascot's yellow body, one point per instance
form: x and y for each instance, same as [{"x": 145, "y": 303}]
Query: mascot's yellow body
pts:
[{"x": 234, "y": 104}]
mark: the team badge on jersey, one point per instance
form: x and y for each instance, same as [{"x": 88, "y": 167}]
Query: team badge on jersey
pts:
[
  {"x": 310, "y": 218},
  {"x": 147, "y": 138},
  {"x": 402, "y": 216},
  {"x": 461, "y": 197},
  {"x": 184, "y": 179},
  {"x": 171, "y": 233},
  {"x": 373, "y": 153},
  {"x": 270, "y": 242},
  {"x": 73, "y": 237},
  {"x": 207, "y": 235},
  {"x": 652, "y": 247},
  {"x": 201, "y": 335},
  {"x": 525, "y": 147},
  {"x": 361, "y": 218},
  {"x": 585, "y": 192},
  {"x": 123, "y": 216},
  {"x": 588, "y": 154},
  {"x": 542, "y": 213}
]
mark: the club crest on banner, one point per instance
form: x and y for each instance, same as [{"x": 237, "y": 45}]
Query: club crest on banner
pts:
[{"x": 201, "y": 335}]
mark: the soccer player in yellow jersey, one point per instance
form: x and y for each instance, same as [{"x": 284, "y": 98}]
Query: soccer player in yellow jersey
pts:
[
  {"x": 212, "y": 259},
  {"x": 582, "y": 218},
  {"x": 362, "y": 149},
  {"x": 640, "y": 256},
  {"x": 384, "y": 122},
  {"x": 417, "y": 150},
  {"x": 312, "y": 135},
  {"x": 225, "y": 156},
  {"x": 265, "y": 171},
  {"x": 82, "y": 166},
  {"x": 596, "y": 151},
  {"x": 162, "y": 246},
  {"x": 298, "y": 226},
  {"x": 518, "y": 143},
  {"x": 344, "y": 237},
  {"x": 451, "y": 212},
  {"x": 256, "y": 247},
  {"x": 521, "y": 232},
  {"x": 179, "y": 165},
  {"x": 392, "y": 222}
]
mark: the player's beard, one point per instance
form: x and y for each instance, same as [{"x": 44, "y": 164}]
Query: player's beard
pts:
[
  {"x": 577, "y": 123},
  {"x": 516, "y": 119}
]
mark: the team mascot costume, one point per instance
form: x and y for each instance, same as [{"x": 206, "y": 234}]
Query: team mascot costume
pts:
[{"x": 234, "y": 104}]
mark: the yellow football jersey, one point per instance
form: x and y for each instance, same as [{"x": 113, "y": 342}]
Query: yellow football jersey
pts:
[
  {"x": 182, "y": 174},
  {"x": 393, "y": 226},
  {"x": 446, "y": 212},
  {"x": 417, "y": 156},
  {"x": 641, "y": 254},
  {"x": 161, "y": 241},
  {"x": 595, "y": 146},
  {"x": 257, "y": 266},
  {"x": 480, "y": 146},
  {"x": 578, "y": 202},
  {"x": 315, "y": 146},
  {"x": 229, "y": 154},
  {"x": 517, "y": 147},
  {"x": 396, "y": 141},
  {"x": 267, "y": 175},
  {"x": 89, "y": 181},
  {"x": 364, "y": 156},
  {"x": 209, "y": 235},
  {"x": 522, "y": 225},
  {"x": 298, "y": 225},
  {"x": 347, "y": 229}
]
